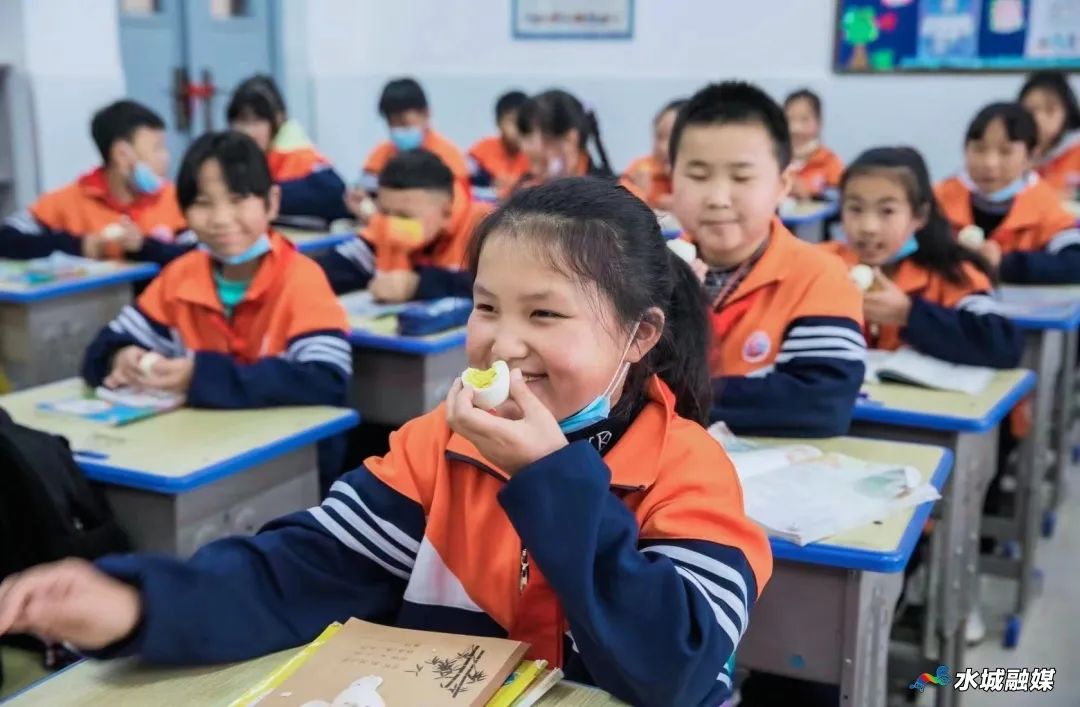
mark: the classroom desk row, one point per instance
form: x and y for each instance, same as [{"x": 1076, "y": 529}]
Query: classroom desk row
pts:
[{"x": 45, "y": 327}]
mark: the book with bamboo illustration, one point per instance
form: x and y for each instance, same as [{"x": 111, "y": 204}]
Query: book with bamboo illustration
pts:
[{"x": 373, "y": 665}]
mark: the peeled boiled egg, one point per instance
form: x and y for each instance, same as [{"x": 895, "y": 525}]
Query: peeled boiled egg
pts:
[
  {"x": 491, "y": 386},
  {"x": 684, "y": 249},
  {"x": 148, "y": 361},
  {"x": 971, "y": 237},
  {"x": 862, "y": 275}
]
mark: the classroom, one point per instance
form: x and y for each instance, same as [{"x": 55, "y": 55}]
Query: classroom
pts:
[{"x": 570, "y": 353}]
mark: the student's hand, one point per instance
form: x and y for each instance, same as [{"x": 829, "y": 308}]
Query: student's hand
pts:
[
  {"x": 885, "y": 303},
  {"x": 992, "y": 252},
  {"x": 510, "y": 444},
  {"x": 394, "y": 286},
  {"x": 359, "y": 204},
  {"x": 132, "y": 240},
  {"x": 71, "y": 601},
  {"x": 801, "y": 191},
  {"x": 700, "y": 268},
  {"x": 93, "y": 246},
  {"x": 172, "y": 375},
  {"x": 125, "y": 367}
]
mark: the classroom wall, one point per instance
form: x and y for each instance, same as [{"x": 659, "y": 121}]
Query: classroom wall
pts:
[
  {"x": 463, "y": 53},
  {"x": 65, "y": 62}
]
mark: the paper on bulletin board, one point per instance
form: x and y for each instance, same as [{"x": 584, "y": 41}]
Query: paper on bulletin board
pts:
[
  {"x": 573, "y": 19},
  {"x": 948, "y": 29},
  {"x": 1053, "y": 29}
]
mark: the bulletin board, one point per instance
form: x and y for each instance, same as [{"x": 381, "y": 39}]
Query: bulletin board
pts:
[{"x": 885, "y": 36}]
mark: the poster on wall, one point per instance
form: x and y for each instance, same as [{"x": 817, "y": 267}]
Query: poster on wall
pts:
[
  {"x": 573, "y": 19},
  {"x": 880, "y": 36}
]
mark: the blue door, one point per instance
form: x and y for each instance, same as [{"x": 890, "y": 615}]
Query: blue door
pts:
[{"x": 183, "y": 58}]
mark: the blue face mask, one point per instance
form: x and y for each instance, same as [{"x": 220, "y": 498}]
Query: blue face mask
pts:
[
  {"x": 408, "y": 138},
  {"x": 258, "y": 249},
  {"x": 1008, "y": 192},
  {"x": 910, "y": 246},
  {"x": 600, "y": 408},
  {"x": 145, "y": 180}
]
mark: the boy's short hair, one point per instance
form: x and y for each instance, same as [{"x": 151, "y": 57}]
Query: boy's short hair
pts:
[
  {"x": 119, "y": 121},
  {"x": 1019, "y": 124},
  {"x": 243, "y": 165},
  {"x": 417, "y": 169},
  {"x": 735, "y": 102},
  {"x": 256, "y": 96},
  {"x": 805, "y": 94},
  {"x": 400, "y": 95},
  {"x": 509, "y": 102}
]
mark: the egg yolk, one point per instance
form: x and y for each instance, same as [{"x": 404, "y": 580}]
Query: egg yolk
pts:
[{"x": 480, "y": 378}]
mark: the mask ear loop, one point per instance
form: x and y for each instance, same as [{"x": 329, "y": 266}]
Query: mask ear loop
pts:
[{"x": 624, "y": 367}]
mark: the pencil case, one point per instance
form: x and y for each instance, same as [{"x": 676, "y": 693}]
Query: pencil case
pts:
[{"x": 434, "y": 316}]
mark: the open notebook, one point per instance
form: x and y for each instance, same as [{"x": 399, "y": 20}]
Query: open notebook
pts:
[
  {"x": 913, "y": 368},
  {"x": 370, "y": 665},
  {"x": 800, "y": 494},
  {"x": 115, "y": 407}
]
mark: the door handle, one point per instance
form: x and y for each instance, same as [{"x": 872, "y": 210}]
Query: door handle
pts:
[
  {"x": 206, "y": 92},
  {"x": 181, "y": 99}
]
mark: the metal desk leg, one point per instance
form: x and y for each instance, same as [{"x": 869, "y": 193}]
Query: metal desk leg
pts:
[{"x": 1063, "y": 423}]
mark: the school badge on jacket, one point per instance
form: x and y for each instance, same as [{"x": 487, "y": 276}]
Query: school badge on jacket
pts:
[{"x": 757, "y": 347}]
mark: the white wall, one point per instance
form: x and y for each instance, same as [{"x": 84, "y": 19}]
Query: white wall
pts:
[
  {"x": 66, "y": 64},
  {"x": 462, "y": 52}
]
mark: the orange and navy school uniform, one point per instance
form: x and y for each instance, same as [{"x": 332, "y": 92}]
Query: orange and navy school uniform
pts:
[
  {"x": 951, "y": 321},
  {"x": 492, "y": 165},
  {"x": 284, "y": 343},
  {"x": 434, "y": 142},
  {"x": 562, "y": 554},
  {"x": 59, "y": 220},
  {"x": 658, "y": 178},
  {"x": 820, "y": 171},
  {"x": 1060, "y": 167},
  {"x": 788, "y": 353},
  {"x": 1039, "y": 238},
  {"x": 351, "y": 265},
  {"x": 309, "y": 185}
]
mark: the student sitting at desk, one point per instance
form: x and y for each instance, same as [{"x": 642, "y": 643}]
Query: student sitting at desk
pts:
[
  {"x": 123, "y": 209},
  {"x": 1050, "y": 99},
  {"x": 414, "y": 247},
  {"x": 309, "y": 185},
  {"x": 245, "y": 321},
  {"x": 498, "y": 161},
  {"x": 405, "y": 108},
  {"x": 1029, "y": 236},
  {"x": 817, "y": 168},
  {"x": 651, "y": 174},
  {"x": 589, "y": 515},
  {"x": 788, "y": 350},
  {"x": 929, "y": 292}
]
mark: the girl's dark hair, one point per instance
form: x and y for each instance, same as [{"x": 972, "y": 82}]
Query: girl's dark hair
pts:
[
  {"x": 556, "y": 112},
  {"x": 1019, "y": 125},
  {"x": 243, "y": 165},
  {"x": 675, "y": 105},
  {"x": 805, "y": 94},
  {"x": 1055, "y": 82},
  {"x": 609, "y": 239},
  {"x": 938, "y": 249},
  {"x": 257, "y": 96}
]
